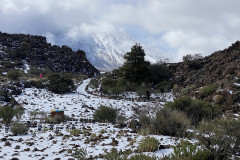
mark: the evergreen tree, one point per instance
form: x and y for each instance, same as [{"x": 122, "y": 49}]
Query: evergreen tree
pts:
[{"x": 135, "y": 69}]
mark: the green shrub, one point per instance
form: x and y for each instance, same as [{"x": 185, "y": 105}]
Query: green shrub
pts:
[
  {"x": 196, "y": 110},
  {"x": 193, "y": 61},
  {"x": 220, "y": 136},
  {"x": 13, "y": 75},
  {"x": 114, "y": 86},
  {"x": 80, "y": 154},
  {"x": 218, "y": 99},
  {"x": 19, "y": 111},
  {"x": 187, "y": 151},
  {"x": 39, "y": 84},
  {"x": 7, "y": 113},
  {"x": 208, "y": 90},
  {"x": 121, "y": 119},
  {"x": 158, "y": 73},
  {"x": 7, "y": 64},
  {"x": 148, "y": 145},
  {"x": 164, "y": 86},
  {"x": 104, "y": 113},
  {"x": 187, "y": 90},
  {"x": 60, "y": 84},
  {"x": 75, "y": 132},
  {"x": 19, "y": 128},
  {"x": 94, "y": 83},
  {"x": 114, "y": 155},
  {"x": 172, "y": 122},
  {"x": 142, "y": 157},
  {"x": 141, "y": 91}
]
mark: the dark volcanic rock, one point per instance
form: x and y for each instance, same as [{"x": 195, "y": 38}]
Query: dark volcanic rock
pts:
[{"x": 38, "y": 53}]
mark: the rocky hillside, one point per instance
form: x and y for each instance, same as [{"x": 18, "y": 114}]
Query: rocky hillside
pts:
[
  {"x": 21, "y": 51},
  {"x": 221, "y": 68}
]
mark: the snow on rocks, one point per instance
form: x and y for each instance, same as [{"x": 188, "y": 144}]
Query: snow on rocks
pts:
[{"x": 96, "y": 138}]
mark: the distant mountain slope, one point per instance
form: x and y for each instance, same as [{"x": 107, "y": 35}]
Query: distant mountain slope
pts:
[
  {"x": 21, "y": 49},
  {"x": 106, "y": 51}
]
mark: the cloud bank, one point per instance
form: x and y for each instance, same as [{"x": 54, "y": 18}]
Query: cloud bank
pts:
[{"x": 177, "y": 27}]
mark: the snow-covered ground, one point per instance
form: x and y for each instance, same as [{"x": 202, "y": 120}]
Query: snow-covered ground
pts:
[{"x": 96, "y": 138}]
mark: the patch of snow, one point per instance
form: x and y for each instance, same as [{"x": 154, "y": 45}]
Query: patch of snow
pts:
[
  {"x": 78, "y": 105},
  {"x": 27, "y": 68},
  {"x": 237, "y": 84}
]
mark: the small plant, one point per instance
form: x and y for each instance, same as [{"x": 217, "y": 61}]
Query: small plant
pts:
[
  {"x": 19, "y": 112},
  {"x": 187, "y": 151},
  {"x": 121, "y": 119},
  {"x": 93, "y": 135},
  {"x": 196, "y": 110},
  {"x": 114, "y": 155},
  {"x": 75, "y": 132},
  {"x": 142, "y": 157},
  {"x": 94, "y": 83},
  {"x": 148, "y": 145},
  {"x": 105, "y": 114},
  {"x": 220, "y": 136},
  {"x": 187, "y": 90},
  {"x": 172, "y": 122},
  {"x": 80, "y": 154},
  {"x": 39, "y": 84},
  {"x": 102, "y": 131},
  {"x": 84, "y": 132},
  {"x": 19, "y": 128},
  {"x": 7, "y": 113},
  {"x": 60, "y": 84},
  {"x": 13, "y": 75},
  {"x": 208, "y": 90},
  {"x": 141, "y": 91}
]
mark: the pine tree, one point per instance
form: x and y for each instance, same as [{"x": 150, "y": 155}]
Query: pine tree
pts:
[{"x": 135, "y": 69}]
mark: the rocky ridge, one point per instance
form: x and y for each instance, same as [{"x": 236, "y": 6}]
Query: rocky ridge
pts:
[
  {"x": 221, "y": 68},
  {"x": 20, "y": 49}
]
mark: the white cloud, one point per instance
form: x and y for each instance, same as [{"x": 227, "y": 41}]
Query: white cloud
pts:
[{"x": 184, "y": 26}]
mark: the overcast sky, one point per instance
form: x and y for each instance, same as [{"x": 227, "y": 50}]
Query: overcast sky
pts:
[{"x": 177, "y": 27}]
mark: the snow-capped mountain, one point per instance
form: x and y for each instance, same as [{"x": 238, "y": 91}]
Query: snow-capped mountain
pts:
[{"x": 105, "y": 51}]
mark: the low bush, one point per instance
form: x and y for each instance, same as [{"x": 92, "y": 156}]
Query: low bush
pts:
[
  {"x": 121, "y": 119},
  {"x": 114, "y": 155},
  {"x": 142, "y": 157},
  {"x": 75, "y": 132},
  {"x": 187, "y": 151},
  {"x": 164, "y": 86},
  {"x": 13, "y": 75},
  {"x": 80, "y": 154},
  {"x": 57, "y": 119},
  {"x": 187, "y": 90},
  {"x": 208, "y": 90},
  {"x": 196, "y": 110},
  {"x": 158, "y": 73},
  {"x": 172, "y": 122},
  {"x": 60, "y": 84},
  {"x": 94, "y": 83},
  {"x": 7, "y": 113},
  {"x": 220, "y": 136},
  {"x": 149, "y": 144},
  {"x": 39, "y": 84},
  {"x": 105, "y": 114},
  {"x": 141, "y": 91},
  {"x": 114, "y": 86},
  {"x": 19, "y": 128}
]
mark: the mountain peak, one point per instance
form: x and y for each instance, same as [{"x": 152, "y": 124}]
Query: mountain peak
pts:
[{"x": 106, "y": 50}]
